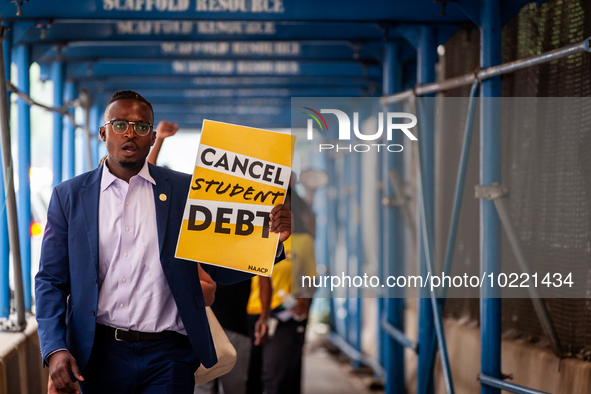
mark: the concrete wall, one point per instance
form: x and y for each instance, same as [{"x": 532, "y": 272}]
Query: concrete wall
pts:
[
  {"x": 21, "y": 369},
  {"x": 530, "y": 366}
]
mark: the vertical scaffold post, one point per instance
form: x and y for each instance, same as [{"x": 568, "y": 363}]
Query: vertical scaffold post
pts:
[
  {"x": 332, "y": 228},
  {"x": 23, "y": 63},
  {"x": 11, "y": 210},
  {"x": 393, "y": 244},
  {"x": 341, "y": 304},
  {"x": 359, "y": 247},
  {"x": 70, "y": 95},
  {"x": 57, "y": 76},
  {"x": 381, "y": 339},
  {"x": 426, "y": 74},
  {"x": 349, "y": 181},
  {"x": 94, "y": 122},
  {"x": 85, "y": 103},
  {"x": 4, "y": 242},
  {"x": 102, "y": 146},
  {"x": 490, "y": 171}
]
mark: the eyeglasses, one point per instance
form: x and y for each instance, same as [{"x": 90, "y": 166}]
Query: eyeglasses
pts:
[{"x": 120, "y": 126}]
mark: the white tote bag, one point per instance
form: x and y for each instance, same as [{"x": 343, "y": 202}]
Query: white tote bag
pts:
[{"x": 224, "y": 349}]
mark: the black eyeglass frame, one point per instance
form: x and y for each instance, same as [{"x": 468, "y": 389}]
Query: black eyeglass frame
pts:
[{"x": 130, "y": 123}]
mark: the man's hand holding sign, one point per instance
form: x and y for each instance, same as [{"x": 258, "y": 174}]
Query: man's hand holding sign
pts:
[
  {"x": 234, "y": 210},
  {"x": 281, "y": 222}
]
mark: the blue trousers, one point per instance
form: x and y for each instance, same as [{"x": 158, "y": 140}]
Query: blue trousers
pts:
[{"x": 147, "y": 367}]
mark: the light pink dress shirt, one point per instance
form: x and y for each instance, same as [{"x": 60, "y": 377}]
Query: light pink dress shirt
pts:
[{"x": 133, "y": 292}]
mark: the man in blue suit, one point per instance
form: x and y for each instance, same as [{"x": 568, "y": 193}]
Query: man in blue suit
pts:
[{"x": 115, "y": 309}]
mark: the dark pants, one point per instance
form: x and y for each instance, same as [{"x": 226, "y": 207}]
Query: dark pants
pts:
[
  {"x": 255, "y": 366},
  {"x": 276, "y": 366},
  {"x": 282, "y": 358},
  {"x": 147, "y": 367}
]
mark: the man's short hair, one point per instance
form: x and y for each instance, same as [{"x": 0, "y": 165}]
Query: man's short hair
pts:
[{"x": 130, "y": 95}]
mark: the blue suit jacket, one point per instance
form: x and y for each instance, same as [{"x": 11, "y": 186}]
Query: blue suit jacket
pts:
[{"x": 69, "y": 266}]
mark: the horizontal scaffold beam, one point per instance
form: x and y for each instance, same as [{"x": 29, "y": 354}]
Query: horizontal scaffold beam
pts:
[
  {"x": 259, "y": 10},
  {"x": 78, "y": 70},
  {"x": 163, "y": 30},
  {"x": 237, "y": 50},
  {"x": 225, "y": 96}
]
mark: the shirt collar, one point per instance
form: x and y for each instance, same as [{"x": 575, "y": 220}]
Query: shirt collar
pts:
[
  {"x": 145, "y": 173},
  {"x": 108, "y": 178}
]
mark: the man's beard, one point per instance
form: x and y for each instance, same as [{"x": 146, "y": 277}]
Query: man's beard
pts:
[{"x": 129, "y": 164}]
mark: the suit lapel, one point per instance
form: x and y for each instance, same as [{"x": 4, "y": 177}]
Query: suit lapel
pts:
[
  {"x": 89, "y": 196},
  {"x": 162, "y": 196}
]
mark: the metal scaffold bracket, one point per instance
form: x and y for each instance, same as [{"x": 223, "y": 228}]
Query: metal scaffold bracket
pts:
[
  {"x": 19, "y": 4},
  {"x": 393, "y": 201},
  {"x": 400, "y": 199},
  {"x": 491, "y": 192}
]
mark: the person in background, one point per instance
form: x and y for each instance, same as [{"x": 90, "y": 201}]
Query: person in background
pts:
[
  {"x": 278, "y": 362},
  {"x": 258, "y": 310},
  {"x": 164, "y": 130}
]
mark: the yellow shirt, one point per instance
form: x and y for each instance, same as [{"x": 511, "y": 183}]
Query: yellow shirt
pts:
[{"x": 299, "y": 261}]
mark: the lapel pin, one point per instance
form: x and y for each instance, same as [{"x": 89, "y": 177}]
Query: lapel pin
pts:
[{"x": 163, "y": 197}]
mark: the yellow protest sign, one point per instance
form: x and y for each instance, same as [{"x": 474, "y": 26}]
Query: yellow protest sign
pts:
[{"x": 240, "y": 174}]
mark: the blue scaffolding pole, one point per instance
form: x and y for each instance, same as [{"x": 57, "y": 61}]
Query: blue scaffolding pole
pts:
[
  {"x": 57, "y": 76},
  {"x": 457, "y": 202},
  {"x": 70, "y": 132},
  {"x": 426, "y": 53},
  {"x": 341, "y": 304},
  {"x": 380, "y": 334},
  {"x": 393, "y": 242},
  {"x": 349, "y": 181},
  {"x": 490, "y": 171},
  {"x": 331, "y": 225},
  {"x": 357, "y": 200},
  {"x": 101, "y": 145},
  {"x": 95, "y": 120},
  {"x": 4, "y": 241},
  {"x": 426, "y": 218},
  {"x": 23, "y": 63},
  {"x": 86, "y": 148}
]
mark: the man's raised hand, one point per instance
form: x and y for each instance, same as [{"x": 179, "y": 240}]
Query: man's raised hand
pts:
[
  {"x": 166, "y": 129},
  {"x": 60, "y": 363}
]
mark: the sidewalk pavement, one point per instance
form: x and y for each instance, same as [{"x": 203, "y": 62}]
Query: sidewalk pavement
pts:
[{"x": 323, "y": 373}]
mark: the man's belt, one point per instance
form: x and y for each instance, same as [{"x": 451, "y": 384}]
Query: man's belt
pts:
[{"x": 124, "y": 334}]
